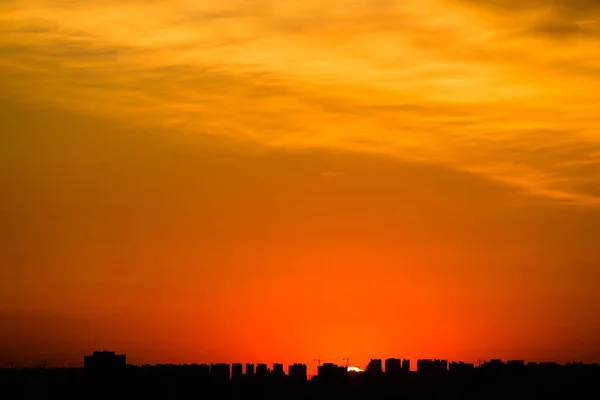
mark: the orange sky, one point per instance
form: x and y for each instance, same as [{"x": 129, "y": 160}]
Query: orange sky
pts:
[{"x": 279, "y": 181}]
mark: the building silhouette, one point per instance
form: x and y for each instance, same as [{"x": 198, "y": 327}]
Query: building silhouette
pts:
[
  {"x": 432, "y": 367},
  {"x": 249, "y": 369},
  {"x": 297, "y": 372},
  {"x": 204, "y": 371},
  {"x": 374, "y": 366},
  {"x": 278, "y": 370},
  {"x": 493, "y": 366},
  {"x": 461, "y": 367},
  {"x": 329, "y": 372},
  {"x": 405, "y": 366},
  {"x": 262, "y": 370},
  {"x": 515, "y": 367},
  {"x": 220, "y": 372},
  {"x": 393, "y": 367},
  {"x": 237, "y": 371},
  {"x": 104, "y": 364}
]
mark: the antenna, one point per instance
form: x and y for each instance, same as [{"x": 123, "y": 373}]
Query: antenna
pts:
[
  {"x": 479, "y": 361},
  {"x": 318, "y": 361},
  {"x": 347, "y": 359}
]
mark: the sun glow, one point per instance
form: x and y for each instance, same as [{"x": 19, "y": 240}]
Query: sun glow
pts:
[{"x": 354, "y": 369}]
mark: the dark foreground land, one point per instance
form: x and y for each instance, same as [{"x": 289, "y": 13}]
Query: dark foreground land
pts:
[{"x": 184, "y": 382}]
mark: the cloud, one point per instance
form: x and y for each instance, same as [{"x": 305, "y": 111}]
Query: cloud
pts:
[
  {"x": 571, "y": 7},
  {"x": 555, "y": 19},
  {"x": 497, "y": 99}
]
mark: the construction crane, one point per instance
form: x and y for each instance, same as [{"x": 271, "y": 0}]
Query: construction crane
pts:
[{"x": 347, "y": 359}]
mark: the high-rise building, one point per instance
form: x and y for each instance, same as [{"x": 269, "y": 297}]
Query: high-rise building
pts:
[
  {"x": 329, "y": 372},
  {"x": 204, "y": 371},
  {"x": 236, "y": 371},
  {"x": 460, "y": 367},
  {"x": 515, "y": 366},
  {"x": 406, "y": 366},
  {"x": 392, "y": 367},
  {"x": 104, "y": 364},
  {"x": 262, "y": 370},
  {"x": 278, "y": 370},
  {"x": 374, "y": 366},
  {"x": 432, "y": 367},
  {"x": 297, "y": 372},
  {"x": 220, "y": 372},
  {"x": 250, "y": 369},
  {"x": 494, "y": 366}
]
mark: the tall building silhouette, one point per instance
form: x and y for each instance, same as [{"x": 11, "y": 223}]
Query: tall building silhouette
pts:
[
  {"x": 297, "y": 372},
  {"x": 329, "y": 372},
  {"x": 405, "y": 366},
  {"x": 262, "y": 370},
  {"x": 374, "y": 366},
  {"x": 220, "y": 372},
  {"x": 104, "y": 363},
  {"x": 250, "y": 369},
  {"x": 515, "y": 366},
  {"x": 460, "y": 367},
  {"x": 236, "y": 371},
  {"x": 204, "y": 371},
  {"x": 278, "y": 370},
  {"x": 393, "y": 367},
  {"x": 432, "y": 367},
  {"x": 493, "y": 366}
]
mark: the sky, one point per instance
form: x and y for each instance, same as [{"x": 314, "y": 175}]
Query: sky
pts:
[{"x": 284, "y": 181}]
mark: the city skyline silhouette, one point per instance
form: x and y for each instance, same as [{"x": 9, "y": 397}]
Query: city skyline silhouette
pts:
[
  {"x": 293, "y": 184},
  {"x": 392, "y": 363},
  {"x": 107, "y": 373}
]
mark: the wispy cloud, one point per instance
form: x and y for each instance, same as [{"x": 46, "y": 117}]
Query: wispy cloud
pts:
[{"x": 503, "y": 88}]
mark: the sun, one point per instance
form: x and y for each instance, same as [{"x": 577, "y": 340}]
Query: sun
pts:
[{"x": 354, "y": 369}]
